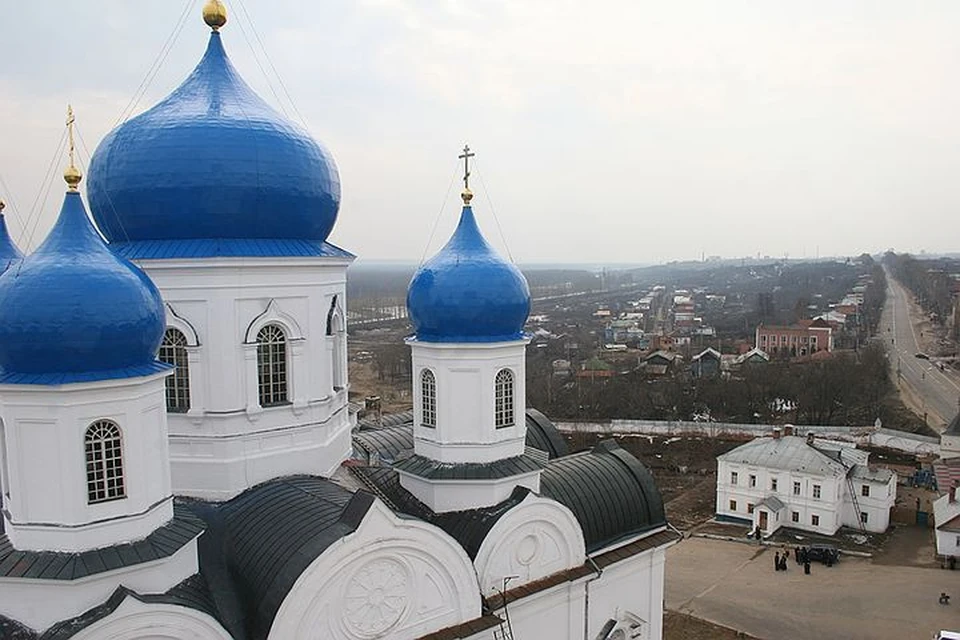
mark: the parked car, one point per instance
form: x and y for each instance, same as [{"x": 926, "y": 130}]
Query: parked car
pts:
[
  {"x": 922, "y": 356},
  {"x": 825, "y": 553}
]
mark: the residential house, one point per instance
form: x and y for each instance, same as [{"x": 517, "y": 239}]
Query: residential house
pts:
[
  {"x": 706, "y": 363},
  {"x": 801, "y": 483},
  {"x": 796, "y": 340}
]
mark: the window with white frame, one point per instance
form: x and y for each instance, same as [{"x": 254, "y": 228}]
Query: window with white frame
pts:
[
  {"x": 773, "y": 484},
  {"x": 753, "y": 481},
  {"x": 749, "y": 508},
  {"x": 103, "y": 448},
  {"x": 815, "y": 520},
  {"x": 272, "y": 366},
  {"x": 795, "y": 516},
  {"x": 503, "y": 399},
  {"x": 428, "y": 398},
  {"x": 733, "y": 505},
  {"x": 734, "y": 477},
  {"x": 173, "y": 350},
  {"x": 864, "y": 516},
  {"x": 865, "y": 490},
  {"x": 796, "y": 488},
  {"x": 816, "y": 492}
]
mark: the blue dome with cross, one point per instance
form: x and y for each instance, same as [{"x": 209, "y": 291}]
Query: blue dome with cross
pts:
[
  {"x": 213, "y": 170},
  {"x": 468, "y": 292},
  {"x": 73, "y": 311}
]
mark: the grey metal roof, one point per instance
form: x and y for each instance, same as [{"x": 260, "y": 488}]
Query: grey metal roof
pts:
[
  {"x": 395, "y": 435},
  {"x": 945, "y": 511},
  {"x": 787, "y": 453},
  {"x": 469, "y": 527},
  {"x": 544, "y": 435},
  {"x": 387, "y": 443},
  {"x": 59, "y": 565},
  {"x": 424, "y": 467},
  {"x": 875, "y": 474},
  {"x": 772, "y": 502},
  {"x": 612, "y": 494},
  {"x": 268, "y": 536},
  {"x": 191, "y": 593},
  {"x": 387, "y": 420}
]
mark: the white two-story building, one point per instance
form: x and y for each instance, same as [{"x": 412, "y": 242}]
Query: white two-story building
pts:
[{"x": 813, "y": 485}]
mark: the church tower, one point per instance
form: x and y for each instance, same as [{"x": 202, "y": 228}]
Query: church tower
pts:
[
  {"x": 468, "y": 307},
  {"x": 84, "y": 469},
  {"x": 227, "y": 205}
]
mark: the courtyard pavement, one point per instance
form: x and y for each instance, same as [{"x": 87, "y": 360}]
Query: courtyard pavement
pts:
[{"x": 734, "y": 584}]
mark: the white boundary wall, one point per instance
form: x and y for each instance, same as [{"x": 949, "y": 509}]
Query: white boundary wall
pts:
[{"x": 869, "y": 436}]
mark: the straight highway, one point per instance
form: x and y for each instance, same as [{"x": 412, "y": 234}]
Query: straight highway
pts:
[{"x": 932, "y": 391}]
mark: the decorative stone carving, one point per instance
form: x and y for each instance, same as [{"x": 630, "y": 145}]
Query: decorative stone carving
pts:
[{"x": 376, "y": 597}]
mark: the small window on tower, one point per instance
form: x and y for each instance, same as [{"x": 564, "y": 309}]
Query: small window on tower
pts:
[
  {"x": 428, "y": 399},
  {"x": 104, "y": 460},
  {"x": 503, "y": 413}
]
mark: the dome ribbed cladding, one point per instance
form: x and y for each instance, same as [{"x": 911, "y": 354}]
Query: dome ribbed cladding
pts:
[
  {"x": 212, "y": 161},
  {"x": 74, "y": 311},
  {"x": 467, "y": 292}
]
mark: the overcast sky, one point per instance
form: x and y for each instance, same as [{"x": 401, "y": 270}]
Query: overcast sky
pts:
[{"x": 605, "y": 130}]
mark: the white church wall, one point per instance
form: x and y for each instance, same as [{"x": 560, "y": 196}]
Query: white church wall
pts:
[
  {"x": 556, "y": 613},
  {"x": 29, "y": 601},
  {"x": 48, "y": 506},
  {"x": 465, "y": 384},
  {"x": 392, "y": 577},
  {"x": 631, "y": 592},
  {"x": 136, "y": 620},
  {"x": 227, "y": 442},
  {"x": 537, "y": 538}
]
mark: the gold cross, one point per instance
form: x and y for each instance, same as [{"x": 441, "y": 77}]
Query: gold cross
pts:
[{"x": 465, "y": 156}]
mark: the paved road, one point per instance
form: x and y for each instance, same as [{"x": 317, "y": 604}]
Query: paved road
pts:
[
  {"x": 936, "y": 391},
  {"x": 734, "y": 584}
]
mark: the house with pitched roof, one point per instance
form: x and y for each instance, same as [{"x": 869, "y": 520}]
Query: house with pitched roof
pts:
[{"x": 783, "y": 480}]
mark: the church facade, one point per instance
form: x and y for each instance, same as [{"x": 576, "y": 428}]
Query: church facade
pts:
[{"x": 178, "y": 455}]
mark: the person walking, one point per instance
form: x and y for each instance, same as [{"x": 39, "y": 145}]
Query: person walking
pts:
[
  {"x": 776, "y": 561},
  {"x": 806, "y": 566}
]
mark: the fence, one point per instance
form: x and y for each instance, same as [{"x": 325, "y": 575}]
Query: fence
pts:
[{"x": 865, "y": 436}]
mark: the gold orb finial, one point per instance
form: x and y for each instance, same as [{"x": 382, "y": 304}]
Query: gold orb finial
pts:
[
  {"x": 71, "y": 174},
  {"x": 215, "y": 14},
  {"x": 467, "y": 196}
]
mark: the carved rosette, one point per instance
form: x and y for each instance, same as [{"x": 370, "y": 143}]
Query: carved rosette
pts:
[{"x": 377, "y": 597}]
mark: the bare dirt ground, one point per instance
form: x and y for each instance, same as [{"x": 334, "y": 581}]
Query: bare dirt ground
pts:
[{"x": 680, "y": 626}]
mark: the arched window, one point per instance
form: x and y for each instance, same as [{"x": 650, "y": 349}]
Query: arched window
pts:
[
  {"x": 173, "y": 350},
  {"x": 272, "y": 365},
  {"x": 104, "y": 456},
  {"x": 503, "y": 394},
  {"x": 428, "y": 398}
]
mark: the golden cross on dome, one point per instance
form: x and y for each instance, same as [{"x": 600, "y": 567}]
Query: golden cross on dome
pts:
[
  {"x": 467, "y": 195},
  {"x": 71, "y": 174}
]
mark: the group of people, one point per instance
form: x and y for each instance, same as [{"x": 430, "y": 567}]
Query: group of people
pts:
[{"x": 799, "y": 553}]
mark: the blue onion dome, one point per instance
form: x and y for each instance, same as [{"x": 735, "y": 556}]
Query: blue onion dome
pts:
[
  {"x": 9, "y": 253},
  {"x": 74, "y": 311},
  {"x": 467, "y": 292},
  {"x": 213, "y": 170}
]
